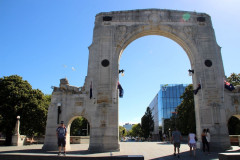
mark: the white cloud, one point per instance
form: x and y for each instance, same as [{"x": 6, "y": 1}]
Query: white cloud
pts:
[{"x": 73, "y": 69}]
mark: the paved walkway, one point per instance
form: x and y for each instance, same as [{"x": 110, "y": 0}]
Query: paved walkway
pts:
[{"x": 150, "y": 150}]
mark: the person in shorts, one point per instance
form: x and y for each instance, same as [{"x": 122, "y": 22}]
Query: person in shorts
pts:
[
  {"x": 192, "y": 143},
  {"x": 176, "y": 140},
  {"x": 61, "y": 133}
]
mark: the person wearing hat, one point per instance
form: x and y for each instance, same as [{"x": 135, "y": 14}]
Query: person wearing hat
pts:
[{"x": 61, "y": 133}]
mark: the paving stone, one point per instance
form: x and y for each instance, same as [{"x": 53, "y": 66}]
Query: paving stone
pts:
[{"x": 150, "y": 150}]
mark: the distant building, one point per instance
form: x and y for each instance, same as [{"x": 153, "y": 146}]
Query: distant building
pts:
[
  {"x": 154, "y": 108},
  {"x": 164, "y": 104},
  {"x": 128, "y": 126}
]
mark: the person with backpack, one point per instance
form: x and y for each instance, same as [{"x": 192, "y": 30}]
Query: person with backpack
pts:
[{"x": 61, "y": 133}]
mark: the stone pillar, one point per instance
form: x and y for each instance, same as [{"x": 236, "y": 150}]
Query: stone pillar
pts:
[
  {"x": 50, "y": 142},
  {"x": 17, "y": 140}
]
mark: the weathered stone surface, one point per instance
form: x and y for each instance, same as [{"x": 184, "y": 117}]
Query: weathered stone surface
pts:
[{"x": 113, "y": 32}]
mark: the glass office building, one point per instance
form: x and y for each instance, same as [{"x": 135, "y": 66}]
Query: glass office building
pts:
[
  {"x": 169, "y": 99},
  {"x": 154, "y": 108},
  {"x": 164, "y": 104}
]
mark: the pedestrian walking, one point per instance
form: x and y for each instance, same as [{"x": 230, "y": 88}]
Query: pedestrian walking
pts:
[
  {"x": 176, "y": 140},
  {"x": 164, "y": 137},
  {"x": 61, "y": 133},
  {"x": 192, "y": 143}
]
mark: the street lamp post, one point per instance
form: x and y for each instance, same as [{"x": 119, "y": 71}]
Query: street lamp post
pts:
[
  {"x": 169, "y": 130},
  {"x": 16, "y": 138},
  {"x": 17, "y": 126}
]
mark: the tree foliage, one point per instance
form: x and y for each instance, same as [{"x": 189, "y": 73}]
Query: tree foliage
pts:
[
  {"x": 147, "y": 123},
  {"x": 171, "y": 124},
  {"x": 185, "y": 119},
  {"x": 79, "y": 127},
  {"x": 234, "y": 79},
  {"x": 122, "y": 132},
  {"x": 17, "y": 98},
  {"x": 137, "y": 130},
  {"x": 129, "y": 133},
  {"x": 167, "y": 124}
]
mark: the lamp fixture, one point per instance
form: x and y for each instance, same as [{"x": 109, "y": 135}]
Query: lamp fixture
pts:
[
  {"x": 191, "y": 72},
  {"x": 121, "y": 71}
]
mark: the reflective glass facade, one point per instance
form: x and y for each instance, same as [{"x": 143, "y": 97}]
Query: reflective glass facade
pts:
[
  {"x": 154, "y": 108},
  {"x": 164, "y": 104},
  {"x": 169, "y": 99}
]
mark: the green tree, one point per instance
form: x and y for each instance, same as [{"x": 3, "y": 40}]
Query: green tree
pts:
[
  {"x": 234, "y": 79},
  {"x": 122, "y": 132},
  {"x": 185, "y": 120},
  {"x": 167, "y": 125},
  {"x": 129, "y": 133},
  {"x": 34, "y": 114},
  {"x": 147, "y": 123},
  {"x": 79, "y": 127},
  {"x": 137, "y": 130},
  {"x": 160, "y": 128},
  {"x": 17, "y": 98}
]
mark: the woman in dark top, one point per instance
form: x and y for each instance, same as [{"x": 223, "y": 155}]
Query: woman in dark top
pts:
[{"x": 204, "y": 139}]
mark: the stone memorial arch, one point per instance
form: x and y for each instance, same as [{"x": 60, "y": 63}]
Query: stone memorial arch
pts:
[{"x": 97, "y": 100}]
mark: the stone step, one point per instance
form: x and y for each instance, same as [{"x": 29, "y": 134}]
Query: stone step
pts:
[{"x": 68, "y": 157}]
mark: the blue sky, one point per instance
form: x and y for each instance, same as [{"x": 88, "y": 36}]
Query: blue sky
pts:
[{"x": 46, "y": 40}]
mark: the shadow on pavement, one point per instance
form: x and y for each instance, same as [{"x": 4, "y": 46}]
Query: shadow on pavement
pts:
[
  {"x": 40, "y": 151},
  {"x": 200, "y": 155},
  {"x": 186, "y": 156}
]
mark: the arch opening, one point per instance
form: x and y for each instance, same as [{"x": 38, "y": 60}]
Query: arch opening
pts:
[
  {"x": 188, "y": 48},
  {"x": 234, "y": 125},
  {"x": 234, "y": 129},
  {"x": 79, "y": 131},
  {"x": 156, "y": 54}
]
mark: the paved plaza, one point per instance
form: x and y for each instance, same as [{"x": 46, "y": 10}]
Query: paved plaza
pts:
[{"x": 150, "y": 150}]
